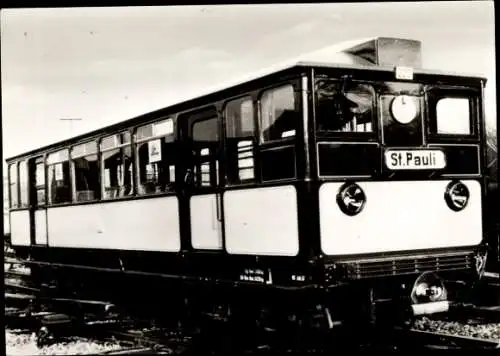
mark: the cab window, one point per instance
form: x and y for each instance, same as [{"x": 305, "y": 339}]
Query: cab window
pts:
[
  {"x": 453, "y": 113},
  {"x": 343, "y": 107},
  {"x": 453, "y": 116}
]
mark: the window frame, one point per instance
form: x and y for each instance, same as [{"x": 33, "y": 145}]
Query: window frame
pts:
[
  {"x": 241, "y": 98},
  {"x": 16, "y": 165},
  {"x": 370, "y": 136},
  {"x": 26, "y": 205},
  {"x": 194, "y": 117},
  {"x": 72, "y": 167},
  {"x": 48, "y": 185},
  {"x": 254, "y": 139},
  {"x": 40, "y": 160},
  {"x": 135, "y": 153},
  {"x": 121, "y": 148},
  {"x": 295, "y": 142},
  {"x": 297, "y": 109},
  {"x": 435, "y": 93}
]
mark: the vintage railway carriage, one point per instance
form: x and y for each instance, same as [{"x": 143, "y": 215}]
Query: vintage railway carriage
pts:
[{"x": 358, "y": 171}]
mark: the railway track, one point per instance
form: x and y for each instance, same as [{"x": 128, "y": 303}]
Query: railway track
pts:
[
  {"x": 428, "y": 339},
  {"x": 53, "y": 327},
  {"x": 141, "y": 340},
  {"x": 470, "y": 313},
  {"x": 55, "y": 319}
]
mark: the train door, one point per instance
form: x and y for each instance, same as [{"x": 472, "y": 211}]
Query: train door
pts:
[
  {"x": 201, "y": 199},
  {"x": 37, "y": 207}
]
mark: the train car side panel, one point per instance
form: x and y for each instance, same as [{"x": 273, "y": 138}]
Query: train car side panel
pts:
[
  {"x": 41, "y": 227},
  {"x": 20, "y": 228},
  {"x": 399, "y": 216},
  {"x": 262, "y": 221},
  {"x": 145, "y": 225},
  {"x": 205, "y": 230},
  {"x": 77, "y": 226}
]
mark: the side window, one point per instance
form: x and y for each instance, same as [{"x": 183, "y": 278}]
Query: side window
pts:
[
  {"x": 117, "y": 165},
  {"x": 23, "y": 184},
  {"x": 278, "y": 118},
  {"x": 205, "y": 145},
  {"x": 156, "y": 157},
  {"x": 347, "y": 109},
  {"x": 86, "y": 168},
  {"x": 6, "y": 206},
  {"x": 40, "y": 183},
  {"x": 14, "y": 201},
  {"x": 240, "y": 142},
  {"x": 59, "y": 179},
  {"x": 239, "y": 118},
  {"x": 453, "y": 116}
]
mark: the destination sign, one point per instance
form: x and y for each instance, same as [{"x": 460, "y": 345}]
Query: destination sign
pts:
[{"x": 415, "y": 159}]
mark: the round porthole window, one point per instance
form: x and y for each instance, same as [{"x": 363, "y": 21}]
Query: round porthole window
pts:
[{"x": 404, "y": 109}]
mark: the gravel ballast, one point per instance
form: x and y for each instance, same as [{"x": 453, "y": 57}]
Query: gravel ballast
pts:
[
  {"x": 490, "y": 331},
  {"x": 25, "y": 344}
]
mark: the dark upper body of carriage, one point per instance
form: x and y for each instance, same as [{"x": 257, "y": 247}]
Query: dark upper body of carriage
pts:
[{"x": 297, "y": 117}]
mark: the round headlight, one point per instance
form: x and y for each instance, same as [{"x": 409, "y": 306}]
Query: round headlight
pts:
[
  {"x": 351, "y": 199},
  {"x": 404, "y": 109},
  {"x": 457, "y": 196},
  {"x": 428, "y": 288}
]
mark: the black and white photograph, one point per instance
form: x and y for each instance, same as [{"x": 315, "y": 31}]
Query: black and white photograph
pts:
[{"x": 250, "y": 178}]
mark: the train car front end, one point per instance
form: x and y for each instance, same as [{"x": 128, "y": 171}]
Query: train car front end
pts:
[{"x": 399, "y": 159}]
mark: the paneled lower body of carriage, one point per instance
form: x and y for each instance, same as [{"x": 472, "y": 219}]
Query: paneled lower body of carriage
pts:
[{"x": 284, "y": 244}]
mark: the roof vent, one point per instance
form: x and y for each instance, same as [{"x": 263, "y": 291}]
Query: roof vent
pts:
[{"x": 386, "y": 51}]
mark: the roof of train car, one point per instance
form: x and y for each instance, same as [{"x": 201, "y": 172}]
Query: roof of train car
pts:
[{"x": 329, "y": 57}]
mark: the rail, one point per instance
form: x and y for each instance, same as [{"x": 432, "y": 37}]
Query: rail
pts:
[{"x": 433, "y": 339}]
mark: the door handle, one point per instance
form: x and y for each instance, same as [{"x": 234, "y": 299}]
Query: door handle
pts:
[
  {"x": 189, "y": 177},
  {"x": 218, "y": 203}
]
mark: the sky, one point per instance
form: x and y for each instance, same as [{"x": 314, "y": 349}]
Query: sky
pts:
[{"x": 105, "y": 65}]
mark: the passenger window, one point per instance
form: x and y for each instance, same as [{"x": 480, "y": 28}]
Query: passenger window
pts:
[
  {"x": 86, "y": 168},
  {"x": 240, "y": 142},
  {"x": 453, "y": 116},
  {"x": 156, "y": 157},
  {"x": 6, "y": 206},
  {"x": 40, "y": 183},
  {"x": 14, "y": 201},
  {"x": 117, "y": 166},
  {"x": 239, "y": 118},
  {"x": 278, "y": 117},
  {"x": 343, "y": 109},
  {"x": 23, "y": 184},
  {"x": 205, "y": 145},
  {"x": 59, "y": 178}
]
